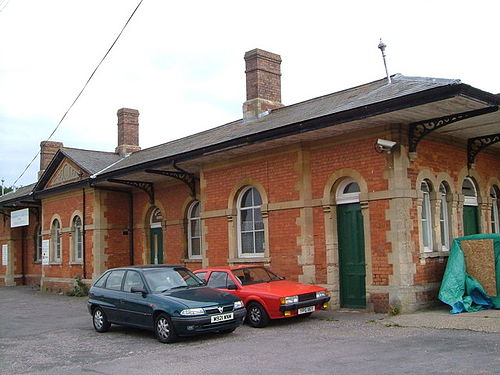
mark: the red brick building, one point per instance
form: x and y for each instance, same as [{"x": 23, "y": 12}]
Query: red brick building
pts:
[{"x": 360, "y": 191}]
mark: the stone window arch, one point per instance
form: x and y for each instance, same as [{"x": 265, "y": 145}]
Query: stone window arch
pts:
[{"x": 194, "y": 232}]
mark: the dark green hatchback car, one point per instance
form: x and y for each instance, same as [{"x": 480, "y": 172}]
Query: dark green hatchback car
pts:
[{"x": 170, "y": 300}]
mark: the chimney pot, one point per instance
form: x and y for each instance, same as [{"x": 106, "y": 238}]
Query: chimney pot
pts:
[
  {"x": 263, "y": 78},
  {"x": 128, "y": 131}
]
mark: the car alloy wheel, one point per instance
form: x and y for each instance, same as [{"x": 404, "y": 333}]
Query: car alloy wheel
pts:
[
  {"x": 256, "y": 315},
  {"x": 164, "y": 329},
  {"x": 100, "y": 320}
]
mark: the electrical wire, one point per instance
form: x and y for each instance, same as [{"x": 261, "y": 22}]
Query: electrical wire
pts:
[{"x": 81, "y": 91}]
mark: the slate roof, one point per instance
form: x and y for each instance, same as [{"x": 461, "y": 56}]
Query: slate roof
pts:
[
  {"x": 345, "y": 100},
  {"x": 91, "y": 161},
  {"x": 21, "y": 192}
]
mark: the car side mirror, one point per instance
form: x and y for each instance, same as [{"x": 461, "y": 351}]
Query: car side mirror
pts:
[
  {"x": 232, "y": 287},
  {"x": 135, "y": 289}
]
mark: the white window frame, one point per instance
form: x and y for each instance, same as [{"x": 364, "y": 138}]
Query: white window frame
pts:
[
  {"x": 77, "y": 239},
  {"x": 38, "y": 244},
  {"x": 240, "y": 232},
  {"x": 156, "y": 224},
  {"x": 470, "y": 200},
  {"x": 56, "y": 245},
  {"x": 444, "y": 220},
  {"x": 345, "y": 198},
  {"x": 426, "y": 222},
  {"x": 495, "y": 224},
  {"x": 191, "y": 237}
]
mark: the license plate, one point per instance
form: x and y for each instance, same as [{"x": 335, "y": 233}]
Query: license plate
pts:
[
  {"x": 305, "y": 310},
  {"x": 222, "y": 317}
]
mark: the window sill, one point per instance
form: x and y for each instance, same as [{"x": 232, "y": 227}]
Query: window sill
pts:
[
  {"x": 434, "y": 254},
  {"x": 192, "y": 260},
  {"x": 250, "y": 260},
  {"x": 75, "y": 263}
]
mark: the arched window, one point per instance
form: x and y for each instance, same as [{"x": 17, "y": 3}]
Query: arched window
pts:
[
  {"x": 77, "y": 239},
  {"x": 194, "y": 231},
  {"x": 444, "y": 220},
  {"x": 426, "y": 216},
  {"x": 495, "y": 195},
  {"x": 471, "y": 218},
  {"x": 55, "y": 237},
  {"x": 348, "y": 192},
  {"x": 470, "y": 192},
  {"x": 38, "y": 244},
  {"x": 250, "y": 223}
]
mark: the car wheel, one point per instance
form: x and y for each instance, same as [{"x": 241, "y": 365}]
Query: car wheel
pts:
[
  {"x": 256, "y": 315},
  {"x": 164, "y": 329},
  {"x": 100, "y": 320}
]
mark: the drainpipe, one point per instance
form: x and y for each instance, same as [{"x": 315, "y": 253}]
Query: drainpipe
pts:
[
  {"x": 131, "y": 227},
  {"x": 23, "y": 249},
  {"x": 84, "y": 268}
]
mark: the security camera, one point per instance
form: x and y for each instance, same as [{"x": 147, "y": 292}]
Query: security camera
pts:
[{"x": 383, "y": 145}]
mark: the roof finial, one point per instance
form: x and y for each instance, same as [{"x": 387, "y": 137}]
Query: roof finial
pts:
[{"x": 382, "y": 46}]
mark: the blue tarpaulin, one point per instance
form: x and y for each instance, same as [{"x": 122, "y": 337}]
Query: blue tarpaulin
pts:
[{"x": 460, "y": 290}]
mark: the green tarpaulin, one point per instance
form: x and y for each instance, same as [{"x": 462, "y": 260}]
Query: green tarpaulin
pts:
[{"x": 460, "y": 290}]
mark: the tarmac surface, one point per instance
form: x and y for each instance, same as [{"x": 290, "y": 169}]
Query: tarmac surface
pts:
[{"x": 53, "y": 334}]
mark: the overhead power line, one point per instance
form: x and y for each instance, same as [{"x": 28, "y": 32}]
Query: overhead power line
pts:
[{"x": 82, "y": 90}]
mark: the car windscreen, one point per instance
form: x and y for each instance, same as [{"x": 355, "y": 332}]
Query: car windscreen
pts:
[
  {"x": 255, "y": 275},
  {"x": 165, "y": 279}
]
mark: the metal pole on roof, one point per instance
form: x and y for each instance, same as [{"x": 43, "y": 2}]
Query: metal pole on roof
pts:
[
  {"x": 382, "y": 46},
  {"x": 2, "y": 185}
]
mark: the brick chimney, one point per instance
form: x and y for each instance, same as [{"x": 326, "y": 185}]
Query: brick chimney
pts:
[
  {"x": 128, "y": 131},
  {"x": 263, "y": 75},
  {"x": 47, "y": 151}
]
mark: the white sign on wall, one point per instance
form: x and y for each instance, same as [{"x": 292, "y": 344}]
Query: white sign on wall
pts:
[
  {"x": 20, "y": 218},
  {"x": 5, "y": 255},
  {"x": 45, "y": 252}
]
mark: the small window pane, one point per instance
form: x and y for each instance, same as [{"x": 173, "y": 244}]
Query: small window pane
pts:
[
  {"x": 257, "y": 201},
  {"x": 114, "y": 281},
  {"x": 246, "y": 220},
  {"x": 195, "y": 228},
  {"x": 247, "y": 243},
  {"x": 259, "y": 242},
  {"x": 351, "y": 188},
  {"x": 246, "y": 200},
  {"x": 468, "y": 188},
  {"x": 195, "y": 211},
  {"x": 195, "y": 246}
]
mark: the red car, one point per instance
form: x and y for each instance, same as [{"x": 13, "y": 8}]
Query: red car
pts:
[{"x": 265, "y": 294}]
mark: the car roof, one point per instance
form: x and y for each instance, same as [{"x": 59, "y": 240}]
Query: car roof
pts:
[
  {"x": 143, "y": 267},
  {"x": 232, "y": 268}
]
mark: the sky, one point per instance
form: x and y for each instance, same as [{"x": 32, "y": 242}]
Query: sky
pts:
[{"x": 180, "y": 63}]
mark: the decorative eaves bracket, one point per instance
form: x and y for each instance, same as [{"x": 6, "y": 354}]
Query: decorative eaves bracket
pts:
[
  {"x": 477, "y": 144},
  {"x": 188, "y": 178},
  {"x": 418, "y": 130},
  {"x": 147, "y": 187}
]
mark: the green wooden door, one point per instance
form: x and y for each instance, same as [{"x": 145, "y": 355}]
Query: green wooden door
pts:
[
  {"x": 471, "y": 222},
  {"x": 351, "y": 256},
  {"x": 156, "y": 241}
]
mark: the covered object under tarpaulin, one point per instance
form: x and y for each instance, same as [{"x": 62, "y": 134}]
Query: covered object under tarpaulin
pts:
[{"x": 471, "y": 281}]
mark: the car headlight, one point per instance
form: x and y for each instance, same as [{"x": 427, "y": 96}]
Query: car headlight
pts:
[
  {"x": 191, "y": 312},
  {"x": 321, "y": 293},
  {"x": 287, "y": 300},
  {"x": 238, "y": 305}
]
